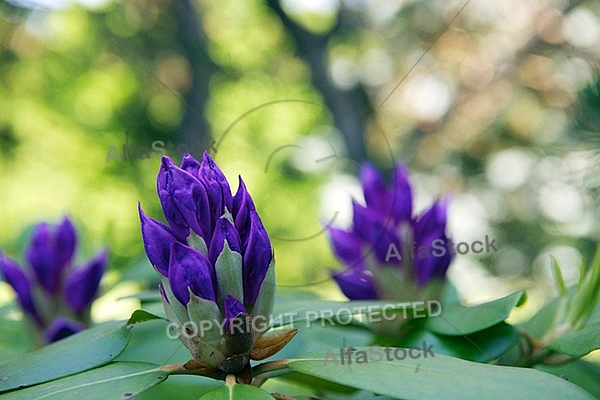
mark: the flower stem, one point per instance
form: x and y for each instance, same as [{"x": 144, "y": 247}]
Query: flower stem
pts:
[{"x": 270, "y": 369}]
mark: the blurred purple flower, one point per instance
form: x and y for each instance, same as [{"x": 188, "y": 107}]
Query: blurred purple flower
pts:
[
  {"x": 52, "y": 283},
  {"x": 384, "y": 233}
]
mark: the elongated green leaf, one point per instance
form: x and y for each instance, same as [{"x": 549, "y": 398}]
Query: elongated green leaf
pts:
[
  {"x": 437, "y": 377},
  {"x": 579, "y": 343},
  {"x": 142, "y": 316},
  {"x": 113, "y": 381},
  {"x": 483, "y": 346},
  {"x": 542, "y": 320},
  {"x": 14, "y": 340},
  {"x": 235, "y": 391},
  {"x": 80, "y": 352},
  {"x": 457, "y": 319},
  {"x": 582, "y": 373},
  {"x": 181, "y": 387}
]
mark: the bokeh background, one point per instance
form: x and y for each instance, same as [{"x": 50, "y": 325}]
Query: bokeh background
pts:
[{"x": 495, "y": 103}]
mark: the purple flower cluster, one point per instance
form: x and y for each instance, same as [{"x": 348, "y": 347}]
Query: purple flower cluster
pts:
[
  {"x": 214, "y": 256},
  {"x": 55, "y": 295},
  {"x": 384, "y": 225}
]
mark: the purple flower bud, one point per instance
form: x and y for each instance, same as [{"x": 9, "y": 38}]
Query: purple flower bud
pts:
[
  {"x": 434, "y": 266},
  {"x": 402, "y": 195},
  {"x": 199, "y": 274},
  {"x": 256, "y": 259},
  {"x": 16, "y": 278},
  {"x": 242, "y": 206},
  {"x": 431, "y": 226},
  {"x": 224, "y": 230},
  {"x": 190, "y": 165},
  {"x": 356, "y": 284},
  {"x": 377, "y": 195},
  {"x": 217, "y": 187},
  {"x": 158, "y": 240},
  {"x": 189, "y": 268},
  {"x": 183, "y": 199},
  {"x": 432, "y": 220},
  {"x": 346, "y": 246},
  {"x": 61, "y": 328},
  {"x": 81, "y": 286},
  {"x": 66, "y": 240},
  {"x": 385, "y": 221},
  {"x": 50, "y": 251},
  {"x": 233, "y": 308},
  {"x": 369, "y": 226}
]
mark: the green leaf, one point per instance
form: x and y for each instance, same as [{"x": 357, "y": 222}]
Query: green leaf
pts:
[
  {"x": 142, "y": 316},
  {"x": 80, "y": 352},
  {"x": 457, "y": 319},
  {"x": 235, "y": 391},
  {"x": 558, "y": 278},
  {"x": 483, "y": 346},
  {"x": 15, "y": 339},
  {"x": 180, "y": 387},
  {"x": 581, "y": 372},
  {"x": 578, "y": 343},
  {"x": 113, "y": 381},
  {"x": 542, "y": 320},
  {"x": 439, "y": 377}
]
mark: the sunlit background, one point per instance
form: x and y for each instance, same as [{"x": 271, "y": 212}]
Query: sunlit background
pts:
[{"x": 502, "y": 112}]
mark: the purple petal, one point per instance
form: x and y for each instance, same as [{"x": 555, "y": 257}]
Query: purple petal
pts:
[
  {"x": 430, "y": 226},
  {"x": 183, "y": 199},
  {"x": 81, "y": 286},
  {"x": 190, "y": 268},
  {"x": 66, "y": 240},
  {"x": 157, "y": 239},
  {"x": 402, "y": 195},
  {"x": 224, "y": 230},
  {"x": 217, "y": 187},
  {"x": 256, "y": 259},
  {"x": 432, "y": 220},
  {"x": 233, "y": 308},
  {"x": 242, "y": 206},
  {"x": 432, "y": 266},
  {"x": 370, "y": 227},
  {"x": 364, "y": 220},
  {"x": 50, "y": 251},
  {"x": 16, "y": 278},
  {"x": 356, "y": 284},
  {"x": 346, "y": 246},
  {"x": 191, "y": 165},
  {"x": 61, "y": 328},
  {"x": 377, "y": 195},
  {"x": 383, "y": 245}
]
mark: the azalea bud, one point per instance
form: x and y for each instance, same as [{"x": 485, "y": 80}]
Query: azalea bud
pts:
[
  {"x": 384, "y": 238},
  {"x": 63, "y": 293},
  {"x": 220, "y": 275}
]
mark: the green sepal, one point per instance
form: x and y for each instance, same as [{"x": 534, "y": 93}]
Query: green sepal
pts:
[
  {"x": 229, "y": 274},
  {"x": 196, "y": 242},
  {"x": 200, "y": 310},
  {"x": 265, "y": 299},
  {"x": 173, "y": 309}
]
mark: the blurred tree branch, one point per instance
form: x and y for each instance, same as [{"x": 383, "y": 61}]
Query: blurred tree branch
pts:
[
  {"x": 194, "y": 127},
  {"x": 351, "y": 108}
]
